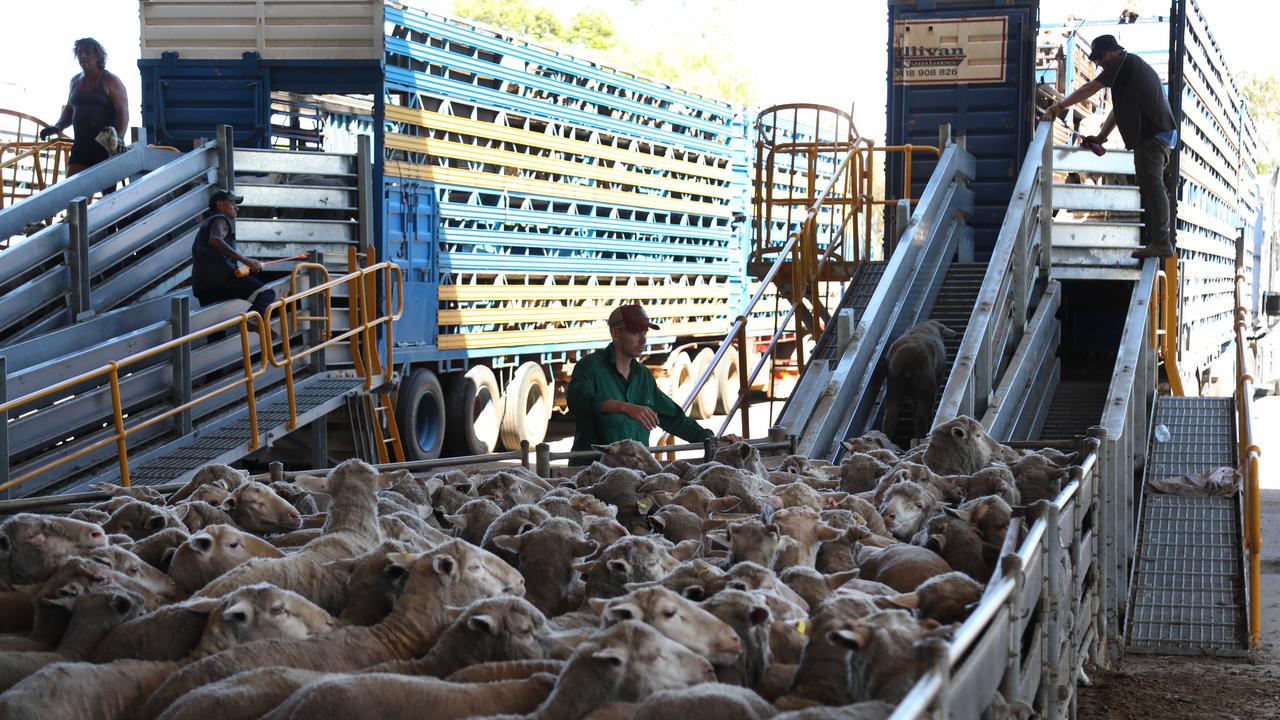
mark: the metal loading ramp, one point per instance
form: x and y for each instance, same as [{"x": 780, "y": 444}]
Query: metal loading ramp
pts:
[{"x": 1188, "y": 590}]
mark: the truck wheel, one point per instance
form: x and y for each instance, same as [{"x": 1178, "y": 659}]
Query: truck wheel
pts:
[
  {"x": 704, "y": 405},
  {"x": 681, "y": 376},
  {"x": 420, "y": 415},
  {"x": 727, "y": 382},
  {"x": 526, "y": 407},
  {"x": 474, "y": 411}
]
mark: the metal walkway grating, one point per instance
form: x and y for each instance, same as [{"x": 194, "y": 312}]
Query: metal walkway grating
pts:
[
  {"x": 1188, "y": 576},
  {"x": 856, "y": 297}
]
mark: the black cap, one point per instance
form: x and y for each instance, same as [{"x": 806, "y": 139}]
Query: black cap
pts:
[
  {"x": 221, "y": 194},
  {"x": 1103, "y": 44}
]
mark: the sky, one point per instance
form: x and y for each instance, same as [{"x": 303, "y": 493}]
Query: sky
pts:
[{"x": 825, "y": 51}]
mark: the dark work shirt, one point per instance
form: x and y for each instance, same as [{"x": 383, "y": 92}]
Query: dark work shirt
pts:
[
  {"x": 1141, "y": 106},
  {"x": 596, "y": 379},
  {"x": 210, "y": 268}
]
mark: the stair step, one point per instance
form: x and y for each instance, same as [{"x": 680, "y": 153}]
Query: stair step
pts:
[
  {"x": 1116, "y": 198},
  {"x": 1067, "y": 234},
  {"x": 1078, "y": 159}
]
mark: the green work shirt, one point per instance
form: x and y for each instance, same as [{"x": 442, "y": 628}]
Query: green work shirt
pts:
[{"x": 596, "y": 379}]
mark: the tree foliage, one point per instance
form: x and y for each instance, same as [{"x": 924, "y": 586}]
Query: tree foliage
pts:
[
  {"x": 593, "y": 29},
  {"x": 518, "y": 16},
  {"x": 1262, "y": 92}
]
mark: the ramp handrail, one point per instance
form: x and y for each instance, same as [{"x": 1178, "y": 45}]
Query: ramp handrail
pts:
[
  {"x": 1000, "y": 315},
  {"x": 45, "y": 159},
  {"x": 1250, "y": 458},
  {"x": 364, "y": 319}
]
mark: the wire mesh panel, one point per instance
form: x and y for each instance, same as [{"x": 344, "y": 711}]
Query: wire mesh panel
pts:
[{"x": 1188, "y": 581}]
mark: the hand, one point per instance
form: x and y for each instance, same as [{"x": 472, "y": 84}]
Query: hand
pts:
[
  {"x": 731, "y": 438},
  {"x": 255, "y": 267},
  {"x": 641, "y": 414},
  {"x": 1093, "y": 140},
  {"x": 1054, "y": 112},
  {"x": 48, "y": 132}
]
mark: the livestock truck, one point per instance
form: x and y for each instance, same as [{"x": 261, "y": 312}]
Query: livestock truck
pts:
[{"x": 523, "y": 191}]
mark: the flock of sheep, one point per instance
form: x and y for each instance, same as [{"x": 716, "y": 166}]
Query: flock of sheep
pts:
[{"x": 630, "y": 590}]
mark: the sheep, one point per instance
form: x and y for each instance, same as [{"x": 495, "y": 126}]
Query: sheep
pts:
[
  {"x": 698, "y": 500},
  {"x": 885, "y": 663},
  {"x": 514, "y": 521},
  {"x": 709, "y": 701},
  {"x": 544, "y": 556},
  {"x": 31, "y": 546},
  {"x": 618, "y": 487},
  {"x": 297, "y": 496},
  {"x": 631, "y": 559},
  {"x": 679, "y": 524},
  {"x": 963, "y": 447},
  {"x": 257, "y": 508},
  {"x": 224, "y": 476},
  {"x": 901, "y": 567},
  {"x": 508, "y": 490},
  {"x": 210, "y": 553},
  {"x": 658, "y": 482},
  {"x": 211, "y": 494},
  {"x": 806, "y": 527},
  {"x": 448, "y": 499},
  {"x": 350, "y": 529},
  {"x": 941, "y": 488},
  {"x": 603, "y": 531},
  {"x": 869, "y": 710},
  {"x": 90, "y": 571},
  {"x": 591, "y": 507},
  {"x": 870, "y": 441},
  {"x": 823, "y": 673},
  {"x": 394, "y": 696},
  {"x": 749, "y": 617},
  {"x": 374, "y": 583},
  {"x": 410, "y": 529},
  {"x": 561, "y": 507},
  {"x": 626, "y": 662},
  {"x": 499, "y": 628},
  {"x": 628, "y": 454},
  {"x": 943, "y": 598},
  {"x": 863, "y": 511},
  {"x": 991, "y": 515},
  {"x": 906, "y": 507},
  {"x": 724, "y": 480},
  {"x": 916, "y": 367},
  {"x": 958, "y": 543},
  {"x": 454, "y": 573},
  {"x": 798, "y": 494},
  {"x": 115, "y": 689},
  {"x": 203, "y": 625},
  {"x": 676, "y": 617},
  {"x": 473, "y": 519},
  {"x": 693, "y": 579},
  {"x": 90, "y": 515},
  {"x": 752, "y": 541},
  {"x": 784, "y": 603},
  {"x": 741, "y": 455},
  {"x": 92, "y": 614},
  {"x": 994, "y": 480},
  {"x": 815, "y": 587},
  {"x": 152, "y": 549},
  {"x": 587, "y": 476},
  {"x": 1038, "y": 478}
]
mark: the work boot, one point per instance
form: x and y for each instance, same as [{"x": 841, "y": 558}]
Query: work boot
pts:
[{"x": 1154, "y": 250}]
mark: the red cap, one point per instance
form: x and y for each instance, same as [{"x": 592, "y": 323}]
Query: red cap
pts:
[{"x": 632, "y": 317}]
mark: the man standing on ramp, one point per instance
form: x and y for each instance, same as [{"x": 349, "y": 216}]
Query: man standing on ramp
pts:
[{"x": 1141, "y": 110}]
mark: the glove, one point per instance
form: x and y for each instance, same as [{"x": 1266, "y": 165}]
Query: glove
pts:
[
  {"x": 1094, "y": 143},
  {"x": 48, "y": 132}
]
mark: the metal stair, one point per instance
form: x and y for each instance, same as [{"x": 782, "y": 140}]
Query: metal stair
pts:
[
  {"x": 1077, "y": 405},
  {"x": 1188, "y": 586},
  {"x": 1095, "y": 226}
]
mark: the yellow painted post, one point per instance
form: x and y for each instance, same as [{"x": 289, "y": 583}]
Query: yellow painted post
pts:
[
  {"x": 744, "y": 387},
  {"x": 1170, "y": 339},
  {"x": 122, "y": 444},
  {"x": 250, "y": 399}
]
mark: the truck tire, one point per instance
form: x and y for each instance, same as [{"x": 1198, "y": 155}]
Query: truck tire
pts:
[
  {"x": 526, "y": 407},
  {"x": 727, "y": 382},
  {"x": 681, "y": 376},
  {"x": 473, "y": 408},
  {"x": 704, "y": 405},
  {"x": 420, "y": 415}
]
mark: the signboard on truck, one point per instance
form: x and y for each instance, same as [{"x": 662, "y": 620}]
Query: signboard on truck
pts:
[{"x": 935, "y": 51}]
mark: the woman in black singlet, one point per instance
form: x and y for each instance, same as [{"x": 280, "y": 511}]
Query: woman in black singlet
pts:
[{"x": 97, "y": 99}]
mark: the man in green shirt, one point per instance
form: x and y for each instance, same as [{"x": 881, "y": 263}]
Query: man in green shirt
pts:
[{"x": 614, "y": 397}]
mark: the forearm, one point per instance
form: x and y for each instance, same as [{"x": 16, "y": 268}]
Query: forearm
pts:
[
  {"x": 613, "y": 406},
  {"x": 1107, "y": 126},
  {"x": 1084, "y": 92},
  {"x": 217, "y": 244}
]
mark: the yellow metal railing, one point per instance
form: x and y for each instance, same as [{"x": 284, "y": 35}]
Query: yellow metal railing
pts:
[
  {"x": 1164, "y": 322},
  {"x": 365, "y": 317},
  {"x": 1250, "y": 456},
  {"x": 28, "y": 164}
]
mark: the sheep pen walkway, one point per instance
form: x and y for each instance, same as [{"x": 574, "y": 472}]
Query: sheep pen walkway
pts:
[{"x": 1155, "y": 687}]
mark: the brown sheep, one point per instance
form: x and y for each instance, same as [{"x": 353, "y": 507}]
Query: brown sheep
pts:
[
  {"x": 994, "y": 480},
  {"x": 698, "y": 500},
  {"x": 752, "y": 541},
  {"x": 958, "y": 543},
  {"x": 91, "y": 615},
  {"x": 632, "y": 559},
  {"x": 915, "y": 366},
  {"x": 823, "y": 672},
  {"x": 149, "y": 579},
  {"x": 749, "y": 617},
  {"x": 991, "y": 515},
  {"x": 257, "y": 508},
  {"x": 374, "y": 583},
  {"x": 944, "y": 598},
  {"x": 628, "y": 454},
  {"x": 545, "y": 557},
  {"x": 1038, "y": 478},
  {"x": 473, "y": 519},
  {"x": 31, "y": 546},
  {"x": 679, "y": 524},
  {"x": 223, "y": 476},
  {"x": 709, "y": 701},
  {"x": 885, "y": 662},
  {"x": 676, "y": 617},
  {"x": 213, "y": 551},
  {"x": 509, "y": 490},
  {"x": 963, "y": 447},
  {"x": 901, "y": 567},
  {"x": 453, "y": 574}
]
